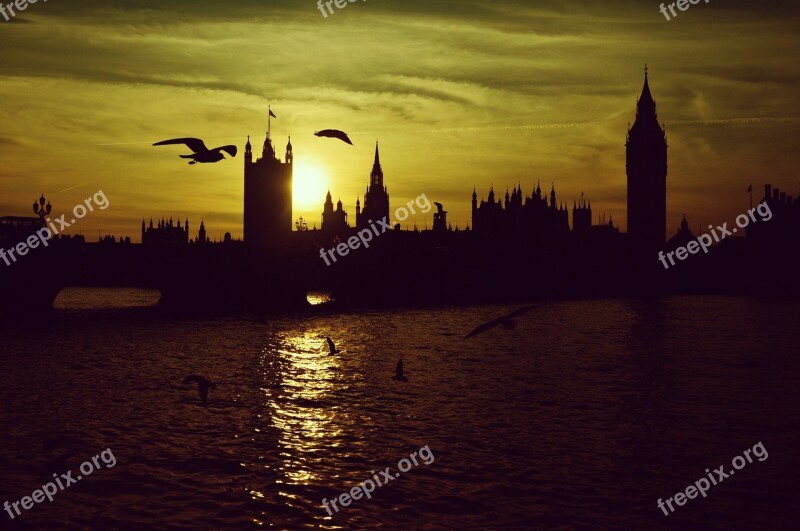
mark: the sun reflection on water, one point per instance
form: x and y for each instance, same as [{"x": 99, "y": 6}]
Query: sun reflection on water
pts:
[{"x": 302, "y": 409}]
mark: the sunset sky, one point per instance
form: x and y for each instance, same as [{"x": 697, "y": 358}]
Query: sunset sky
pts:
[{"x": 459, "y": 93}]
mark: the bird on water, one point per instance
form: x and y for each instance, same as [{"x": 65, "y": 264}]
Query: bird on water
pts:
[
  {"x": 332, "y": 346},
  {"x": 203, "y": 385},
  {"x": 398, "y": 372}
]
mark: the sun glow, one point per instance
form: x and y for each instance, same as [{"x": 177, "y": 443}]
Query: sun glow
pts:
[{"x": 309, "y": 186}]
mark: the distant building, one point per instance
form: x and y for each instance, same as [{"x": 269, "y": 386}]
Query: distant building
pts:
[
  {"x": 165, "y": 233},
  {"x": 535, "y": 215},
  {"x": 267, "y": 196},
  {"x": 646, "y": 166},
  {"x": 18, "y": 228},
  {"x": 780, "y": 232},
  {"x": 604, "y": 231},
  {"x": 334, "y": 222},
  {"x": 582, "y": 216},
  {"x": 376, "y": 200},
  {"x": 682, "y": 237},
  {"x": 440, "y": 219},
  {"x": 201, "y": 235}
]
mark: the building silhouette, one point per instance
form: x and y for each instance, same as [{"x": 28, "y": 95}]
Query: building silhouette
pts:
[
  {"x": 440, "y": 219},
  {"x": 376, "y": 200},
  {"x": 646, "y": 167},
  {"x": 334, "y": 222},
  {"x": 201, "y": 235},
  {"x": 582, "y": 216},
  {"x": 267, "y": 196},
  {"x": 780, "y": 235},
  {"x": 534, "y": 215},
  {"x": 165, "y": 233}
]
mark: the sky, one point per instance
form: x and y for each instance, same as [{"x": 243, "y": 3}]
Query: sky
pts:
[{"x": 459, "y": 94}]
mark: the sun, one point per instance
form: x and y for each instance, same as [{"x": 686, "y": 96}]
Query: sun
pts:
[{"x": 309, "y": 186}]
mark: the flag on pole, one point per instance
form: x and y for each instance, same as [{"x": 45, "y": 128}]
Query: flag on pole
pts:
[
  {"x": 272, "y": 113},
  {"x": 750, "y": 188}
]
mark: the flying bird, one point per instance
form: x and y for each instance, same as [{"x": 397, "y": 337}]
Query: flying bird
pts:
[
  {"x": 507, "y": 321},
  {"x": 398, "y": 372},
  {"x": 332, "y": 346},
  {"x": 334, "y": 133},
  {"x": 201, "y": 152},
  {"x": 203, "y": 385}
]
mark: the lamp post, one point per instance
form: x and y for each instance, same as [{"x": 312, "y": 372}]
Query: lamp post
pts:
[{"x": 41, "y": 209}]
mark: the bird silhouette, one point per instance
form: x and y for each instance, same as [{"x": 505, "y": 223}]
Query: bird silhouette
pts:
[
  {"x": 201, "y": 152},
  {"x": 334, "y": 133},
  {"x": 203, "y": 385},
  {"x": 332, "y": 346},
  {"x": 440, "y": 207},
  {"x": 398, "y": 372},
  {"x": 507, "y": 321}
]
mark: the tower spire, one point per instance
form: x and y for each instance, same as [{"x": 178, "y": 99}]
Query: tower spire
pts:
[
  {"x": 376, "y": 176},
  {"x": 646, "y": 106}
]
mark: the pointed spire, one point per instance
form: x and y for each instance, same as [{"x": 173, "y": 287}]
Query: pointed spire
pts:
[
  {"x": 646, "y": 103},
  {"x": 376, "y": 176}
]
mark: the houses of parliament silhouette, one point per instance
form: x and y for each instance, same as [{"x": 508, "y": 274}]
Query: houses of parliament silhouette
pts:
[{"x": 510, "y": 241}]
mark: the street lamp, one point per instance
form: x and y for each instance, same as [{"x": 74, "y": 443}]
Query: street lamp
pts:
[{"x": 41, "y": 209}]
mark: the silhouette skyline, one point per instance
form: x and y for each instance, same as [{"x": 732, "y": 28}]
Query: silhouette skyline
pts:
[
  {"x": 275, "y": 265},
  {"x": 550, "y": 109}
]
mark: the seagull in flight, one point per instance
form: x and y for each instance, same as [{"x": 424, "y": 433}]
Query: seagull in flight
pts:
[
  {"x": 334, "y": 133},
  {"x": 507, "y": 321},
  {"x": 201, "y": 152},
  {"x": 332, "y": 346},
  {"x": 398, "y": 372},
  {"x": 203, "y": 385}
]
